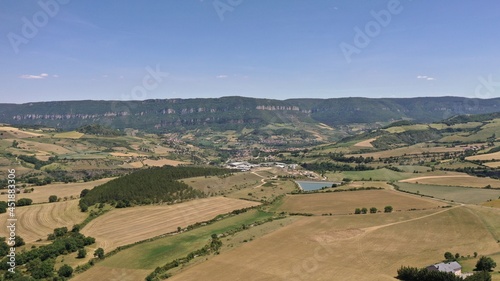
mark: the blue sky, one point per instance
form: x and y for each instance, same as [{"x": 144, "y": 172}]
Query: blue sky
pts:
[{"x": 108, "y": 50}]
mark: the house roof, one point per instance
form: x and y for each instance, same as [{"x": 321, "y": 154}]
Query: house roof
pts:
[{"x": 448, "y": 267}]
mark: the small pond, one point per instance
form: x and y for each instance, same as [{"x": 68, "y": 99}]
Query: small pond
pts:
[{"x": 313, "y": 185}]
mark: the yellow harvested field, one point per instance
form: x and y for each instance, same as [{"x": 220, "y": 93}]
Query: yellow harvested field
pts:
[
  {"x": 365, "y": 143},
  {"x": 485, "y": 157},
  {"x": 493, "y": 164},
  {"x": 69, "y": 135},
  {"x": 125, "y": 226},
  {"x": 336, "y": 248},
  {"x": 21, "y": 134},
  {"x": 37, "y": 221},
  {"x": 43, "y": 147},
  {"x": 41, "y": 193},
  {"x": 346, "y": 202},
  {"x": 100, "y": 272},
  {"x": 494, "y": 203},
  {"x": 455, "y": 180}
]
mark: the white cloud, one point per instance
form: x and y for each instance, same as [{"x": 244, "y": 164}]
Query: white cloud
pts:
[
  {"x": 29, "y": 76},
  {"x": 222, "y": 76},
  {"x": 425, "y": 77},
  {"x": 40, "y": 76}
]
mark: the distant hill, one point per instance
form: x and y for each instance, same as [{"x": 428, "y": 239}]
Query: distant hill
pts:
[
  {"x": 238, "y": 112},
  {"x": 460, "y": 129}
]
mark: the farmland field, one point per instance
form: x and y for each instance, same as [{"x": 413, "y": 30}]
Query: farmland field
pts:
[
  {"x": 414, "y": 149},
  {"x": 455, "y": 180},
  {"x": 18, "y": 133},
  {"x": 455, "y": 193},
  {"x": 317, "y": 248},
  {"x": 346, "y": 202},
  {"x": 68, "y": 135},
  {"x": 41, "y": 193},
  {"x": 214, "y": 184},
  {"x": 145, "y": 257},
  {"x": 43, "y": 147},
  {"x": 365, "y": 143},
  {"x": 493, "y": 164},
  {"x": 125, "y": 226},
  {"x": 485, "y": 157},
  {"x": 493, "y": 203},
  {"x": 37, "y": 221},
  {"x": 376, "y": 175}
]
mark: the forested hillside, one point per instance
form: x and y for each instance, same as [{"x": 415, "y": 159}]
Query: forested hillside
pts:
[
  {"x": 153, "y": 185},
  {"x": 238, "y": 112}
]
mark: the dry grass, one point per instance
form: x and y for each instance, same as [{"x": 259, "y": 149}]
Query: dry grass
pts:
[
  {"x": 455, "y": 180},
  {"x": 125, "y": 226},
  {"x": 219, "y": 185},
  {"x": 493, "y": 203},
  {"x": 17, "y": 133},
  {"x": 43, "y": 147},
  {"x": 155, "y": 163},
  {"x": 99, "y": 272},
  {"x": 365, "y": 143},
  {"x": 485, "y": 157},
  {"x": 414, "y": 149},
  {"x": 163, "y": 162},
  {"x": 41, "y": 193},
  {"x": 358, "y": 184},
  {"x": 37, "y": 221},
  {"x": 126, "y": 154},
  {"x": 493, "y": 164},
  {"x": 318, "y": 248},
  {"x": 68, "y": 135},
  {"x": 346, "y": 202}
]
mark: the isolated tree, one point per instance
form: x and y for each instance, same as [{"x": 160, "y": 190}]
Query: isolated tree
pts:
[
  {"x": 99, "y": 253},
  {"x": 82, "y": 253},
  {"x": 65, "y": 271},
  {"x": 52, "y": 198},
  {"x": 373, "y": 210},
  {"x": 388, "y": 209},
  {"x": 475, "y": 254},
  {"x": 457, "y": 255},
  {"x": 364, "y": 210},
  {"x": 357, "y": 211},
  {"x": 485, "y": 264}
]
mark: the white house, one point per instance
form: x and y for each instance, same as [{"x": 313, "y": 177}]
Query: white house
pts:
[{"x": 453, "y": 267}]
